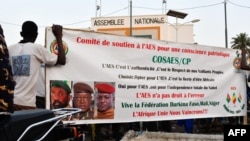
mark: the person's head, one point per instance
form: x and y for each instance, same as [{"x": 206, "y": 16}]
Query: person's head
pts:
[
  {"x": 104, "y": 96},
  {"x": 60, "y": 94},
  {"x": 29, "y": 31},
  {"x": 82, "y": 96}
]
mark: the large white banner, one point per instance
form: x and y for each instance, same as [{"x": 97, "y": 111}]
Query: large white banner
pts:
[{"x": 153, "y": 80}]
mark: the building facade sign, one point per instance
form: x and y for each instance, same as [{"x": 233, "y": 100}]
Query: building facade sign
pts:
[
  {"x": 135, "y": 21},
  {"x": 148, "y": 26}
]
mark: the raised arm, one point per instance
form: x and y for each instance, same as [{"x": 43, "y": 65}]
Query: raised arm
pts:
[
  {"x": 243, "y": 62},
  {"x": 57, "y": 31}
]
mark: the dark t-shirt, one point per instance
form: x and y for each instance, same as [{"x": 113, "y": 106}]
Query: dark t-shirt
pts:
[{"x": 7, "y": 83}]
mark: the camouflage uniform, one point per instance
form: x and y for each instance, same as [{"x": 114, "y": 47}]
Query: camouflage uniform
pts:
[{"x": 7, "y": 85}]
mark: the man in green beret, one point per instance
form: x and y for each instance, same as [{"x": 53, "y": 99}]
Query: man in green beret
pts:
[
  {"x": 60, "y": 94},
  {"x": 83, "y": 99}
]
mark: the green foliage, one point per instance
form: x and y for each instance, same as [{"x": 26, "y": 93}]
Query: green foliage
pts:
[{"x": 240, "y": 41}]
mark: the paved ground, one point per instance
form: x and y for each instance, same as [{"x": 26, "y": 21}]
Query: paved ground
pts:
[{"x": 201, "y": 126}]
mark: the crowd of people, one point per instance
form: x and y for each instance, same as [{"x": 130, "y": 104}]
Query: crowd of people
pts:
[{"x": 22, "y": 73}]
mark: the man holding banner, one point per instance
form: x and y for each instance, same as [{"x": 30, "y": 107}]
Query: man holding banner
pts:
[
  {"x": 26, "y": 58},
  {"x": 244, "y": 65}
]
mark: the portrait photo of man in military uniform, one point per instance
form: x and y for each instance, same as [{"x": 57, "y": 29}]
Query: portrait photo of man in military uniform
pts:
[
  {"x": 105, "y": 100},
  {"x": 83, "y": 99},
  {"x": 60, "y": 94}
]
